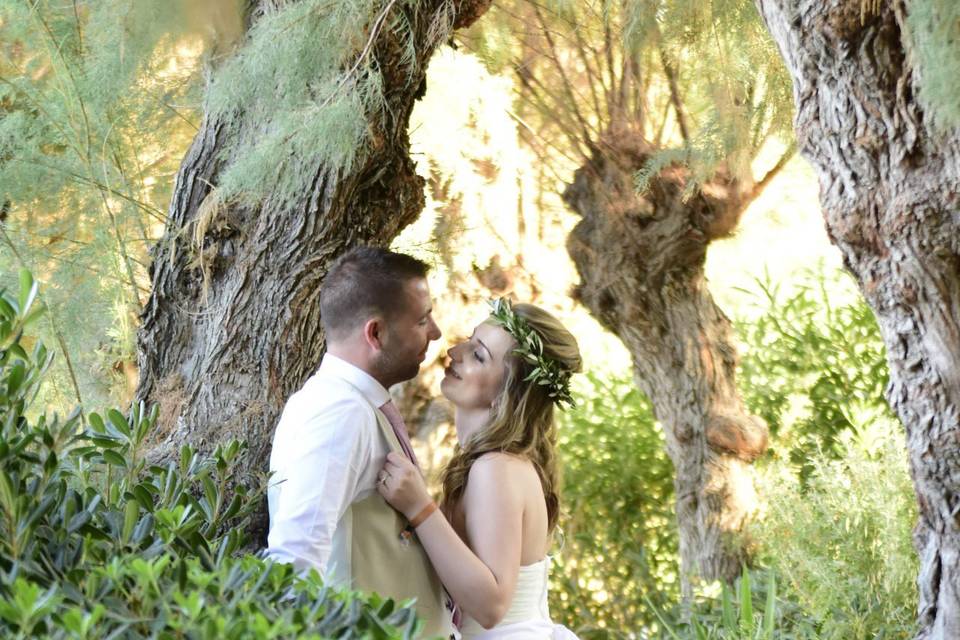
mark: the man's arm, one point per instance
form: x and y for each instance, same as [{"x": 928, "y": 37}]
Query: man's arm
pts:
[{"x": 321, "y": 471}]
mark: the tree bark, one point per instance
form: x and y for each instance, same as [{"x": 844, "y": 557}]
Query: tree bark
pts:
[
  {"x": 889, "y": 185},
  {"x": 222, "y": 356},
  {"x": 641, "y": 265}
]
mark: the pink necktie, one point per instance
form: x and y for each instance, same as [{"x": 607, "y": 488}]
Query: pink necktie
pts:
[{"x": 396, "y": 421}]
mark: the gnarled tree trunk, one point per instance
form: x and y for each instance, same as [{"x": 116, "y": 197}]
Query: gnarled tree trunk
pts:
[
  {"x": 222, "y": 356},
  {"x": 889, "y": 186},
  {"x": 640, "y": 260}
]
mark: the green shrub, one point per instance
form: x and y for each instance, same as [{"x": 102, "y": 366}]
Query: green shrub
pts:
[
  {"x": 96, "y": 542},
  {"x": 620, "y": 538},
  {"x": 812, "y": 368},
  {"x": 836, "y": 534},
  {"x": 748, "y": 610},
  {"x": 841, "y": 541}
]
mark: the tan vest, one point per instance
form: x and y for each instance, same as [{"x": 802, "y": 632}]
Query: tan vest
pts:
[{"x": 387, "y": 557}]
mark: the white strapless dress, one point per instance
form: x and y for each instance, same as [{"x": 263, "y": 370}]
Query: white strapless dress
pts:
[{"x": 528, "y": 617}]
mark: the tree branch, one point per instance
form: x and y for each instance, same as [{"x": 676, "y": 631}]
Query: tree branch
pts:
[
  {"x": 671, "y": 74},
  {"x": 764, "y": 182}
]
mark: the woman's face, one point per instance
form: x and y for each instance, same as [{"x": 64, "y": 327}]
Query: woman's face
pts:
[{"x": 476, "y": 372}]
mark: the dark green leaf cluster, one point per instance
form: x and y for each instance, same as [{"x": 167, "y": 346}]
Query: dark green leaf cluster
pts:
[{"x": 96, "y": 542}]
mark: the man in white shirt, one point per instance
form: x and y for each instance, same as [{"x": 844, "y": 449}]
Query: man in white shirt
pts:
[{"x": 334, "y": 433}]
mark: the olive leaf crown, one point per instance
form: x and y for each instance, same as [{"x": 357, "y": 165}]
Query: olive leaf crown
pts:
[{"x": 546, "y": 371}]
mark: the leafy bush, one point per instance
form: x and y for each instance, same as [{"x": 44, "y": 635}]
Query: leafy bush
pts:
[
  {"x": 96, "y": 542},
  {"x": 748, "y": 610},
  {"x": 811, "y": 368},
  {"x": 841, "y": 541},
  {"x": 836, "y": 534},
  {"x": 620, "y": 538}
]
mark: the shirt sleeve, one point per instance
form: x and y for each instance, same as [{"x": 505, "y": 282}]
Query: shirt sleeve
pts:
[{"x": 321, "y": 473}]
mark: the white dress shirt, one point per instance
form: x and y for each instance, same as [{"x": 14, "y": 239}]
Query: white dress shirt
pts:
[{"x": 327, "y": 452}]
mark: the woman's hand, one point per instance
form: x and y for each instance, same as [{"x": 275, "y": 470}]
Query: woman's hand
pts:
[{"x": 400, "y": 484}]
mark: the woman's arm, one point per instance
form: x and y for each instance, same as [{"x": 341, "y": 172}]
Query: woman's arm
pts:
[{"x": 481, "y": 580}]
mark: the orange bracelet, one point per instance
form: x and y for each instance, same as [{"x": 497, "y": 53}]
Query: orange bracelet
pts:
[{"x": 418, "y": 519}]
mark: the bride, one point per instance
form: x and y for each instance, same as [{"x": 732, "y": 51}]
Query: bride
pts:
[{"x": 489, "y": 539}]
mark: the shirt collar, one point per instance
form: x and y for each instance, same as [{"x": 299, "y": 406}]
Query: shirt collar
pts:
[{"x": 372, "y": 390}]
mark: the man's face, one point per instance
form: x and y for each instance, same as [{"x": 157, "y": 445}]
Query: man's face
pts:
[{"x": 407, "y": 334}]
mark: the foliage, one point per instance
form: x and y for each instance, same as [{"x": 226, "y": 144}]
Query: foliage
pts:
[
  {"x": 838, "y": 546},
  {"x": 835, "y": 536},
  {"x": 307, "y": 81},
  {"x": 813, "y": 368},
  {"x": 700, "y": 83},
  {"x": 97, "y": 103},
  {"x": 620, "y": 538},
  {"x": 97, "y": 542},
  {"x": 546, "y": 371},
  {"x": 742, "y": 612},
  {"x": 841, "y": 541},
  {"x": 934, "y": 27}
]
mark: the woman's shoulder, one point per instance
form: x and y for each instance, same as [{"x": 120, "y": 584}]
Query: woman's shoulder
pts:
[
  {"x": 500, "y": 466},
  {"x": 504, "y": 478}
]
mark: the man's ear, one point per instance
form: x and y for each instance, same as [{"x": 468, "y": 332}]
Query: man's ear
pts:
[{"x": 373, "y": 333}]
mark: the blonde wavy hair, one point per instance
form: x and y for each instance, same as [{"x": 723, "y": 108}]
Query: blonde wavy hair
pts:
[{"x": 522, "y": 417}]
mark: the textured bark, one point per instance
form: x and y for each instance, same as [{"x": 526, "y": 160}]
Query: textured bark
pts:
[
  {"x": 221, "y": 358},
  {"x": 640, "y": 260},
  {"x": 889, "y": 185}
]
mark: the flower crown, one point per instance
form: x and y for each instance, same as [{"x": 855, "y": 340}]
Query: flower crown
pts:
[{"x": 546, "y": 372}]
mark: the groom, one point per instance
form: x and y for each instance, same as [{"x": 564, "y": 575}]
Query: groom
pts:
[{"x": 335, "y": 432}]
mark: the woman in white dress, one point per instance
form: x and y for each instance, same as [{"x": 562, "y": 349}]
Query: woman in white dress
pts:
[{"x": 489, "y": 539}]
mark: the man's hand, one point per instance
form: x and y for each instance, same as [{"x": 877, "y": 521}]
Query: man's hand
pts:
[{"x": 401, "y": 485}]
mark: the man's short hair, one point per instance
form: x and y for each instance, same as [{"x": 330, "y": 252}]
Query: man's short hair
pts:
[{"x": 362, "y": 283}]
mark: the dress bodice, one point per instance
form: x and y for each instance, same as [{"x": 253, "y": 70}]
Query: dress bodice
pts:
[{"x": 529, "y": 603}]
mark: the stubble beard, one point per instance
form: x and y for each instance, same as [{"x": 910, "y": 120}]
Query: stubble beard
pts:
[{"x": 393, "y": 370}]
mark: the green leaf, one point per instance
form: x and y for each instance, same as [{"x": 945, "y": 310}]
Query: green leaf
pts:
[
  {"x": 143, "y": 496},
  {"x": 769, "y": 613},
  {"x": 78, "y": 520},
  {"x": 15, "y": 378},
  {"x": 210, "y": 491},
  {"x": 117, "y": 420},
  {"x": 28, "y": 291},
  {"x": 746, "y": 605},
  {"x": 96, "y": 423},
  {"x": 130, "y": 515},
  {"x": 18, "y": 351},
  {"x": 6, "y": 309},
  {"x": 7, "y": 495},
  {"x": 143, "y": 529},
  {"x": 114, "y": 458},
  {"x": 33, "y": 315},
  {"x": 105, "y": 442},
  {"x": 726, "y": 604}
]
